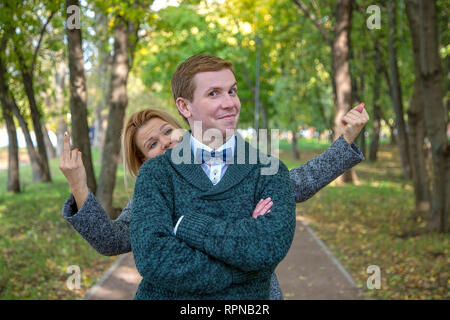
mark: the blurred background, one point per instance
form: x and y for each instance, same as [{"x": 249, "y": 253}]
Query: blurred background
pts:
[{"x": 85, "y": 66}]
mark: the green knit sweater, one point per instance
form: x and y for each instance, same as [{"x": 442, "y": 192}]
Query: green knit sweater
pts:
[{"x": 219, "y": 250}]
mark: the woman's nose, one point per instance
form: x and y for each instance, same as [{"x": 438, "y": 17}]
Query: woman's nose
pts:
[{"x": 165, "y": 142}]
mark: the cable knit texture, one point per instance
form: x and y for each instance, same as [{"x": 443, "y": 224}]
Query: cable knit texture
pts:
[
  {"x": 315, "y": 174},
  {"x": 217, "y": 231}
]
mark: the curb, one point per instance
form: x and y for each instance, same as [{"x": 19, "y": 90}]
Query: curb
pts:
[
  {"x": 105, "y": 276},
  {"x": 335, "y": 260}
]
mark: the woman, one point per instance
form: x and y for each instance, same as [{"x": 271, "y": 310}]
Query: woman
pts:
[{"x": 147, "y": 134}]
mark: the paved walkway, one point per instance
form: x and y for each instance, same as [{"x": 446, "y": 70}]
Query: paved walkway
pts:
[{"x": 309, "y": 271}]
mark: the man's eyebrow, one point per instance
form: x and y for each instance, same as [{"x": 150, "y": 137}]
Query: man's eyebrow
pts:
[{"x": 215, "y": 88}]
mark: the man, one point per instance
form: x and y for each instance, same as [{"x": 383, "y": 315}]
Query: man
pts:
[{"x": 217, "y": 250}]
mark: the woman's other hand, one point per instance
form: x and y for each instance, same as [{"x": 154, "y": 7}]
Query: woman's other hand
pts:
[
  {"x": 71, "y": 165},
  {"x": 262, "y": 207},
  {"x": 354, "y": 121}
]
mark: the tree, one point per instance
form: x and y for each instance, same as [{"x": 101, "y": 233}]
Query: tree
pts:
[
  {"x": 341, "y": 78},
  {"x": 6, "y": 104},
  {"x": 118, "y": 103},
  {"x": 397, "y": 93},
  {"x": 78, "y": 108},
  {"x": 26, "y": 63},
  {"x": 422, "y": 19}
]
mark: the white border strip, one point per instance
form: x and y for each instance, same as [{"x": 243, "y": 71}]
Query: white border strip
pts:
[{"x": 105, "y": 276}]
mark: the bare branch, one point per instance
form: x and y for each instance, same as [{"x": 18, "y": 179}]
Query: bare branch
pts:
[
  {"x": 313, "y": 19},
  {"x": 41, "y": 36}
]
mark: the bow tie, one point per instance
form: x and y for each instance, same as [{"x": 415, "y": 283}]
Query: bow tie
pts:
[{"x": 224, "y": 155}]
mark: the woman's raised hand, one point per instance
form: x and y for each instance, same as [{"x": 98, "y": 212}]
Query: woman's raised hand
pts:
[
  {"x": 71, "y": 165},
  {"x": 262, "y": 207}
]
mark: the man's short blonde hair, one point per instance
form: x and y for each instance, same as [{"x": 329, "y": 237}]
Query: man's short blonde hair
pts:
[{"x": 183, "y": 84}]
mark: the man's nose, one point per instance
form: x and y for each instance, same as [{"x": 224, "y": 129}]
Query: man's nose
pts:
[{"x": 229, "y": 102}]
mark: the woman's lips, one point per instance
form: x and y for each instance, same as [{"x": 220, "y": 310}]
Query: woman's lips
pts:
[{"x": 229, "y": 117}]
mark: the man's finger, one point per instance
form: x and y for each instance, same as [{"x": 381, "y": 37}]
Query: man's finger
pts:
[
  {"x": 261, "y": 204},
  {"x": 265, "y": 209}
]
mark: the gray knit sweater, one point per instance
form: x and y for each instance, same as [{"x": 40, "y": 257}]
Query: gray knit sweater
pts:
[{"x": 111, "y": 237}]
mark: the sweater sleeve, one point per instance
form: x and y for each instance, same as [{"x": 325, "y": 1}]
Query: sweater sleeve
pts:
[
  {"x": 315, "y": 174},
  {"x": 108, "y": 237},
  {"x": 160, "y": 257},
  {"x": 248, "y": 244}
]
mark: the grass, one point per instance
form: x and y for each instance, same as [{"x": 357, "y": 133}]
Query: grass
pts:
[
  {"x": 368, "y": 224},
  {"x": 372, "y": 224},
  {"x": 38, "y": 245}
]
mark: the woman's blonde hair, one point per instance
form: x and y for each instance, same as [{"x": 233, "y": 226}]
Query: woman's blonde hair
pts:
[{"x": 133, "y": 158}]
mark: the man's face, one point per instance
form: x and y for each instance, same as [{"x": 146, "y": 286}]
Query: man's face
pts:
[{"x": 215, "y": 102}]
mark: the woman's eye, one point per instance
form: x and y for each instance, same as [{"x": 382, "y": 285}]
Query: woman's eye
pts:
[
  {"x": 153, "y": 145},
  {"x": 169, "y": 132}
]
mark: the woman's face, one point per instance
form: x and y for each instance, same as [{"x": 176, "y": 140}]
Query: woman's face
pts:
[{"x": 155, "y": 137}]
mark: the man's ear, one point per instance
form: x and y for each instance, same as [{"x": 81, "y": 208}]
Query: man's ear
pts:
[{"x": 183, "y": 106}]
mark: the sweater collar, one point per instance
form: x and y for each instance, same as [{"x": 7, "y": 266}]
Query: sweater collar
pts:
[{"x": 182, "y": 160}]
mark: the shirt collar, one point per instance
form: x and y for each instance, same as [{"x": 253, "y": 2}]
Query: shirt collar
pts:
[{"x": 230, "y": 143}]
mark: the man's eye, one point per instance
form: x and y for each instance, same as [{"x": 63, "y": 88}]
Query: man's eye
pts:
[
  {"x": 213, "y": 93},
  {"x": 233, "y": 91}
]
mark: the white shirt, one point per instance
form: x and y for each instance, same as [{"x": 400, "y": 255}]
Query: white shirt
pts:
[{"x": 213, "y": 169}]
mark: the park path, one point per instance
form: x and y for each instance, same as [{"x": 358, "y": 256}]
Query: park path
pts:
[{"x": 309, "y": 271}]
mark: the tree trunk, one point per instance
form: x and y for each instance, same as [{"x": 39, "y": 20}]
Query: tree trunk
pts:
[
  {"x": 393, "y": 131},
  {"x": 119, "y": 101},
  {"x": 397, "y": 93},
  {"x": 416, "y": 140},
  {"x": 9, "y": 100},
  {"x": 423, "y": 24},
  {"x": 376, "y": 119},
  {"x": 60, "y": 84},
  {"x": 104, "y": 65},
  {"x": 295, "y": 152},
  {"x": 78, "y": 109},
  {"x": 51, "y": 152},
  {"x": 13, "y": 147},
  {"x": 342, "y": 79},
  {"x": 375, "y": 141},
  {"x": 27, "y": 78},
  {"x": 60, "y": 129},
  {"x": 33, "y": 155}
]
